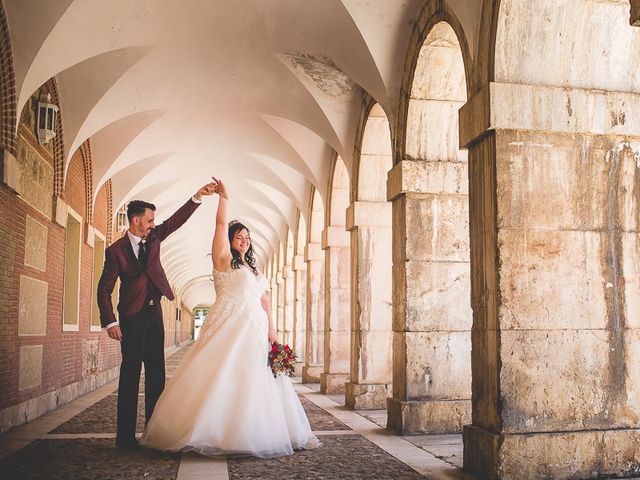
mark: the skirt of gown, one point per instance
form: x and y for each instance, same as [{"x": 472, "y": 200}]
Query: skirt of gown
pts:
[{"x": 223, "y": 397}]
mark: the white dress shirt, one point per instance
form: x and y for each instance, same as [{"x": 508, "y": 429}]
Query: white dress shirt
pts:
[{"x": 135, "y": 243}]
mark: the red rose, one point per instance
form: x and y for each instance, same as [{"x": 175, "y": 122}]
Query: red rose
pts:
[{"x": 274, "y": 349}]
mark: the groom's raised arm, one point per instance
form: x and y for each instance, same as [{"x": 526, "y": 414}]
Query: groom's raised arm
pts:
[{"x": 178, "y": 219}]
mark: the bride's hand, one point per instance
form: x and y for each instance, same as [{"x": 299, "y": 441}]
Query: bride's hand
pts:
[
  {"x": 273, "y": 338},
  {"x": 220, "y": 187}
]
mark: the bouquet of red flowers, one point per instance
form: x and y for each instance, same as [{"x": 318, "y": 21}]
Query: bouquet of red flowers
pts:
[{"x": 282, "y": 360}]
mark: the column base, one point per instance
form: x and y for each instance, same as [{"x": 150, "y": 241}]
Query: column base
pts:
[
  {"x": 333, "y": 383},
  {"x": 558, "y": 455},
  {"x": 366, "y": 396},
  {"x": 312, "y": 374},
  {"x": 427, "y": 416}
]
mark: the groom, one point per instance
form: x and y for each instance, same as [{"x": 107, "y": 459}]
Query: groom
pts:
[{"x": 135, "y": 259}]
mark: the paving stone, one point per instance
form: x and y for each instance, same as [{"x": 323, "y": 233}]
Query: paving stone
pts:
[
  {"x": 87, "y": 459},
  {"x": 452, "y": 454},
  {"x": 430, "y": 440},
  {"x": 445, "y": 447},
  {"x": 99, "y": 418},
  {"x": 319, "y": 419},
  {"x": 340, "y": 457},
  {"x": 379, "y": 417}
]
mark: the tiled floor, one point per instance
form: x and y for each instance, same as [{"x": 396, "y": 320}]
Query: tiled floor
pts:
[{"x": 77, "y": 441}]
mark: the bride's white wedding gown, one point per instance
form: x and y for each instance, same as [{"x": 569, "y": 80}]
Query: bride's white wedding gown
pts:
[{"x": 223, "y": 397}]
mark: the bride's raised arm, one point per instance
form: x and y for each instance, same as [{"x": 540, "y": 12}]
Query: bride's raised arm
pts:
[{"x": 220, "y": 248}]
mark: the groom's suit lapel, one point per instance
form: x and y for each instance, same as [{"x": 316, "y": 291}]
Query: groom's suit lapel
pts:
[{"x": 128, "y": 251}]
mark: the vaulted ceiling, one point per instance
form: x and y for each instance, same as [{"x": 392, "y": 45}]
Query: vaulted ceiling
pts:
[{"x": 258, "y": 92}]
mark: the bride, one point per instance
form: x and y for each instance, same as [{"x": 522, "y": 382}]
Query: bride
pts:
[{"x": 223, "y": 397}]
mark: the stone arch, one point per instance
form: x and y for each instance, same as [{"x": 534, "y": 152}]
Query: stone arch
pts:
[
  {"x": 314, "y": 259},
  {"x": 430, "y": 14},
  {"x": 300, "y": 237},
  {"x": 8, "y": 114},
  {"x": 369, "y": 224},
  {"x": 338, "y": 193},
  {"x": 290, "y": 247},
  {"x": 335, "y": 243},
  {"x": 316, "y": 215},
  {"x": 431, "y": 272}
]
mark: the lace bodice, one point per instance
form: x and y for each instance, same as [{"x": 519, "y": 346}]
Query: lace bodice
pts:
[
  {"x": 239, "y": 284},
  {"x": 238, "y": 294}
]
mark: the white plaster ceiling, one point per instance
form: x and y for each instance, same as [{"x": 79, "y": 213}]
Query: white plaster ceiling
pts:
[{"x": 258, "y": 92}]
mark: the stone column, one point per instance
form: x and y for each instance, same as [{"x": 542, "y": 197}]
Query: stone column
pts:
[
  {"x": 289, "y": 295},
  {"x": 314, "y": 348},
  {"x": 335, "y": 243},
  {"x": 273, "y": 300},
  {"x": 280, "y": 311},
  {"x": 555, "y": 202},
  {"x": 371, "y": 327},
  {"x": 299, "y": 308},
  {"x": 431, "y": 299}
]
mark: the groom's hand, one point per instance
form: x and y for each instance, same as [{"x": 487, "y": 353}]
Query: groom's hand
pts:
[
  {"x": 207, "y": 189},
  {"x": 115, "y": 333}
]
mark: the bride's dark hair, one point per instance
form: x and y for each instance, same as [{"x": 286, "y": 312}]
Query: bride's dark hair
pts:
[{"x": 236, "y": 260}]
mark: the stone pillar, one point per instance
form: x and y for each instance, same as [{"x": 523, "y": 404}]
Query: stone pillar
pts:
[
  {"x": 280, "y": 311},
  {"x": 371, "y": 316},
  {"x": 554, "y": 202},
  {"x": 431, "y": 299},
  {"x": 273, "y": 300},
  {"x": 314, "y": 348},
  {"x": 287, "y": 314},
  {"x": 299, "y": 306},
  {"x": 335, "y": 243}
]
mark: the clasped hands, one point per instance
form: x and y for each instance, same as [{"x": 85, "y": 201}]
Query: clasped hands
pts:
[{"x": 214, "y": 187}]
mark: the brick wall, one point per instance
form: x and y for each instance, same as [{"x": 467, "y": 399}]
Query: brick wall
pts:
[
  {"x": 63, "y": 361},
  {"x": 68, "y": 357}
]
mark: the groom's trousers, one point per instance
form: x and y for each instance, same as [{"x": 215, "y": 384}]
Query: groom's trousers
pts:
[{"x": 142, "y": 342}]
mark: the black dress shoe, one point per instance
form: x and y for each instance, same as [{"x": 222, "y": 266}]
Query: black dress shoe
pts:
[{"x": 130, "y": 444}]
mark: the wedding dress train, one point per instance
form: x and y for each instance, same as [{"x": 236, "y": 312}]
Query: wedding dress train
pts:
[{"x": 223, "y": 397}]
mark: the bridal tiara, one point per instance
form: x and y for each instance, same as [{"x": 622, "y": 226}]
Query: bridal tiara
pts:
[{"x": 232, "y": 223}]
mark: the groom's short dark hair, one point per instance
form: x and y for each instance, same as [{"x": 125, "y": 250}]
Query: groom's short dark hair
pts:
[{"x": 136, "y": 208}]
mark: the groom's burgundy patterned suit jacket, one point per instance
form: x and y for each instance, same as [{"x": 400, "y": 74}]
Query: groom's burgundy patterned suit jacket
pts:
[{"x": 135, "y": 279}]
